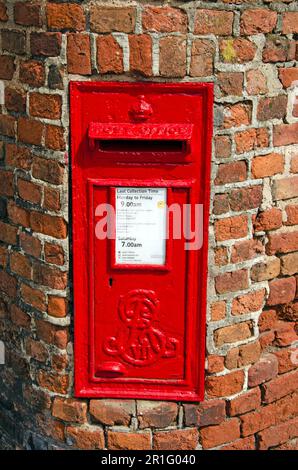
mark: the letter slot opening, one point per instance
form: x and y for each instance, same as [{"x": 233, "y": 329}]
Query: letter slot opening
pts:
[{"x": 136, "y": 146}]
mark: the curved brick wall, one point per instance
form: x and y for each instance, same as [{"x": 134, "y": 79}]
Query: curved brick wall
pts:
[{"x": 249, "y": 50}]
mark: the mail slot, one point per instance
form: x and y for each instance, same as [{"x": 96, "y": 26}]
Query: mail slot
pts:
[{"x": 140, "y": 156}]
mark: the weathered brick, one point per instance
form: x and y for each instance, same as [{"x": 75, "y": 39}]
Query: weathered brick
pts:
[
  {"x": 32, "y": 73},
  {"x": 52, "y": 334},
  {"x": 232, "y": 333},
  {"x": 231, "y": 227},
  {"x": 7, "y": 125},
  {"x": 238, "y": 50},
  {"x": 54, "y": 254},
  {"x": 65, "y": 16},
  {"x": 251, "y": 139},
  {"x": 267, "y": 165},
  {"x": 225, "y": 385},
  {"x": 222, "y": 144},
  {"x": 230, "y": 83},
  {"x": 282, "y": 243},
  {"x": 282, "y": 291},
  {"x": 3, "y": 12},
  {"x": 221, "y": 434},
  {"x": 140, "y": 57},
  {"x": 57, "y": 306},
  {"x": 262, "y": 371},
  {"x": 48, "y": 224},
  {"x": 280, "y": 386},
  {"x": 245, "y": 402},
  {"x": 183, "y": 439},
  {"x": 112, "y": 18},
  {"x": 164, "y": 19},
  {"x": 270, "y": 219},
  {"x": 205, "y": 414},
  {"x": 250, "y": 302},
  {"x": 267, "y": 320},
  {"x": 285, "y": 134},
  {"x": 33, "y": 297},
  {"x": 54, "y": 138},
  {"x": 172, "y": 56},
  {"x": 237, "y": 115},
  {"x": 245, "y": 198},
  {"x": 292, "y": 214},
  {"x": 217, "y": 22},
  {"x": 45, "y": 44},
  {"x": 70, "y": 410},
  {"x": 220, "y": 204},
  {"x": 156, "y": 414},
  {"x": 255, "y": 21},
  {"x": 289, "y": 264},
  {"x": 51, "y": 200},
  {"x": 13, "y": 41},
  {"x": 276, "y": 49},
  {"x": 287, "y": 76},
  {"x": 285, "y": 333},
  {"x": 15, "y": 99},
  {"x": 20, "y": 318},
  {"x": 27, "y": 13},
  {"x": 8, "y": 233},
  {"x": 51, "y": 171},
  {"x": 7, "y": 67},
  {"x": 29, "y": 131},
  {"x": 112, "y": 412},
  {"x": 109, "y": 55},
  {"x": 231, "y": 281},
  {"x": 49, "y": 276},
  {"x": 265, "y": 271},
  {"x": 53, "y": 383},
  {"x": 21, "y": 265},
  {"x": 17, "y": 214},
  {"x": 29, "y": 191},
  {"x": 247, "y": 443},
  {"x": 129, "y": 440},
  {"x": 45, "y": 106},
  {"x": 231, "y": 172},
  {"x": 78, "y": 54},
  {"x": 218, "y": 310},
  {"x": 215, "y": 364},
  {"x": 30, "y": 244},
  {"x": 290, "y": 22},
  {"x": 6, "y": 183},
  {"x": 86, "y": 438},
  {"x": 8, "y": 284},
  {"x": 36, "y": 350},
  {"x": 202, "y": 58},
  {"x": 285, "y": 188},
  {"x": 245, "y": 250},
  {"x": 275, "y": 435}
]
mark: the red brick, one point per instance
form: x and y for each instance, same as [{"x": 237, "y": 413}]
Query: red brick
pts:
[
  {"x": 109, "y": 55},
  {"x": 282, "y": 242},
  {"x": 245, "y": 402},
  {"x": 52, "y": 334},
  {"x": 29, "y": 191},
  {"x": 48, "y": 224},
  {"x": 267, "y": 165},
  {"x": 247, "y": 443},
  {"x": 278, "y": 434},
  {"x": 266, "y": 339},
  {"x": 256, "y": 82},
  {"x": 221, "y": 434},
  {"x": 53, "y": 383},
  {"x": 49, "y": 276},
  {"x": 3, "y": 256},
  {"x": 140, "y": 57},
  {"x": 202, "y": 59},
  {"x": 215, "y": 364},
  {"x": 7, "y": 67},
  {"x": 164, "y": 19},
  {"x": 87, "y": 438},
  {"x": 8, "y": 233},
  {"x": 284, "y": 357},
  {"x": 225, "y": 385},
  {"x": 6, "y": 183},
  {"x": 3, "y": 12},
  {"x": 47, "y": 170},
  {"x": 276, "y": 49},
  {"x": 70, "y": 410},
  {"x": 32, "y": 73},
  {"x": 30, "y": 131},
  {"x": 285, "y": 333},
  {"x": 265, "y": 271},
  {"x": 245, "y": 198},
  {"x": 288, "y": 75},
  {"x": 282, "y": 291},
  {"x": 230, "y": 83},
  {"x": 13, "y": 41},
  {"x": 262, "y": 371},
  {"x": 51, "y": 200},
  {"x": 231, "y": 172},
  {"x": 156, "y": 414},
  {"x": 237, "y": 115},
  {"x": 221, "y": 204},
  {"x": 27, "y": 13},
  {"x": 245, "y": 250},
  {"x": 54, "y": 254},
  {"x": 267, "y": 320},
  {"x": 18, "y": 215},
  {"x": 20, "y": 318},
  {"x": 182, "y": 439},
  {"x": 128, "y": 440},
  {"x": 285, "y": 134},
  {"x": 289, "y": 264},
  {"x": 112, "y": 412},
  {"x": 232, "y": 333},
  {"x": 78, "y": 54},
  {"x": 222, "y": 144},
  {"x": 258, "y": 21},
  {"x": 285, "y": 188},
  {"x": 292, "y": 214},
  {"x": 272, "y": 108},
  {"x": 30, "y": 244},
  {"x": 36, "y": 350},
  {"x": 8, "y": 284},
  {"x": 251, "y": 302},
  {"x": 221, "y": 256},
  {"x": 59, "y": 362},
  {"x": 112, "y": 18},
  {"x": 238, "y": 50},
  {"x": 57, "y": 306},
  {"x": 217, "y": 22},
  {"x": 54, "y": 138},
  {"x": 231, "y": 227},
  {"x": 45, "y": 44},
  {"x": 15, "y": 100},
  {"x": 45, "y": 105},
  {"x": 33, "y": 297},
  {"x": 18, "y": 157},
  {"x": 172, "y": 56},
  {"x": 290, "y": 22},
  {"x": 231, "y": 281},
  {"x": 280, "y": 386},
  {"x": 270, "y": 219},
  {"x": 218, "y": 310},
  {"x": 21, "y": 265},
  {"x": 65, "y": 16},
  {"x": 7, "y": 125},
  {"x": 251, "y": 139}
]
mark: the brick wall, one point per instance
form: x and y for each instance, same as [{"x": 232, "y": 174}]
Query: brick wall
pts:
[{"x": 249, "y": 50}]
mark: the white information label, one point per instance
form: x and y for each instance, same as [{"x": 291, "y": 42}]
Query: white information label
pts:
[{"x": 141, "y": 225}]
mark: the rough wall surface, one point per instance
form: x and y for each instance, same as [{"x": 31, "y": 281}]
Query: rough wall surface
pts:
[{"x": 249, "y": 50}]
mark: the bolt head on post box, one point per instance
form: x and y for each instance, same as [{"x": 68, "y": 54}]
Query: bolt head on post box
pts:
[{"x": 140, "y": 197}]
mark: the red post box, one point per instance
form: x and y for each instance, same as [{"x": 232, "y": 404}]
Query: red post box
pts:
[{"x": 140, "y": 159}]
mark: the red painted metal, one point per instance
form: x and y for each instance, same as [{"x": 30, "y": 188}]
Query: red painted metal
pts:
[{"x": 139, "y": 135}]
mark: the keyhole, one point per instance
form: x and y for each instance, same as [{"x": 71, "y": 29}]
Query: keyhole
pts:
[{"x": 110, "y": 281}]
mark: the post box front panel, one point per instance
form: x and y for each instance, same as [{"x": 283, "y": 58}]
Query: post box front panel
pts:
[{"x": 139, "y": 300}]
